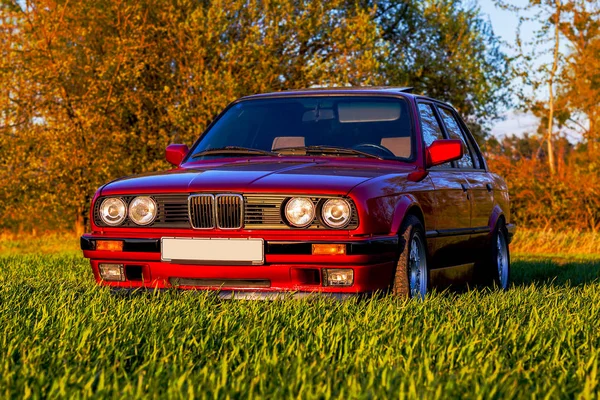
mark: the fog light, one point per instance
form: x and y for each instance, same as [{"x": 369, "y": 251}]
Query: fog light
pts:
[
  {"x": 111, "y": 272},
  {"x": 109, "y": 245},
  {"x": 328, "y": 249},
  {"x": 338, "y": 277}
]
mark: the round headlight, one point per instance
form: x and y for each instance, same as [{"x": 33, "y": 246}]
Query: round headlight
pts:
[
  {"x": 336, "y": 213},
  {"x": 142, "y": 210},
  {"x": 300, "y": 211},
  {"x": 113, "y": 211}
]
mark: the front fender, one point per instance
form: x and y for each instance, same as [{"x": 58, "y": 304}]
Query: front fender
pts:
[
  {"x": 92, "y": 204},
  {"x": 405, "y": 203}
]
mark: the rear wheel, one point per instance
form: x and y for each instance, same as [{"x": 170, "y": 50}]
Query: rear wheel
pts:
[
  {"x": 494, "y": 270},
  {"x": 411, "y": 278},
  {"x": 501, "y": 258}
]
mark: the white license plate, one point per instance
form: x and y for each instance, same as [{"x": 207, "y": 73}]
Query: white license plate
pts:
[{"x": 213, "y": 251}]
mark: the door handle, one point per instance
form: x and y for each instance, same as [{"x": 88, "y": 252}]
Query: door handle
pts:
[{"x": 489, "y": 187}]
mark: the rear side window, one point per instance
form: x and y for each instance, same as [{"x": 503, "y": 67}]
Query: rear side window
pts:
[{"x": 454, "y": 131}]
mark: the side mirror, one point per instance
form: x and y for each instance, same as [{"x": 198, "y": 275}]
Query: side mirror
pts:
[
  {"x": 175, "y": 153},
  {"x": 443, "y": 151}
]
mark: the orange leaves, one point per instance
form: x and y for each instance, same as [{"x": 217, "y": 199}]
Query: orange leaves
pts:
[
  {"x": 91, "y": 91},
  {"x": 569, "y": 200}
]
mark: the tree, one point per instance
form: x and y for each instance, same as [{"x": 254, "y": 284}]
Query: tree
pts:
[
  {"x": 100, "y": 88},
  {"x": 580, "y": 81},
  {"x": 94, "y": 90},
  {"x": 540, "y": 77},
  {"x": 551, "y": 79},
  {"x": 445, "y": 49}
]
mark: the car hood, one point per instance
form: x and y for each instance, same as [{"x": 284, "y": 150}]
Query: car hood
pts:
[{"x": 316, "y": 176}]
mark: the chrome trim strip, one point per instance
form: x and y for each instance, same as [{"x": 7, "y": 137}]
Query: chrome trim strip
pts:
[
  {"x": 457, "y": 232},
  {"x": 481, "y": 229},
  {"x": 283, "y": 295}
]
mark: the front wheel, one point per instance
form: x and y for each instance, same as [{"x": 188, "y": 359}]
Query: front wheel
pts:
[{"x": 411, "y": 278}]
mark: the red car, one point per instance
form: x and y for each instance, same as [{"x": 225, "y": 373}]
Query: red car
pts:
[{"x": 339, "y": 191}]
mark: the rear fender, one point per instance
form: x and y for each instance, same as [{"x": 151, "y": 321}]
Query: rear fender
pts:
[{"x": 493, "y": 221}]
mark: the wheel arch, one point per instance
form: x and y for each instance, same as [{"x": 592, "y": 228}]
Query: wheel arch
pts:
[
  {"x": 408, "y": 211},
  {"x": 495, "y": 218},
  {"x": 407, "y": 205}
]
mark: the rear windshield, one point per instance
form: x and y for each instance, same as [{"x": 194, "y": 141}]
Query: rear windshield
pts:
[{"x": 375, "y": 125}]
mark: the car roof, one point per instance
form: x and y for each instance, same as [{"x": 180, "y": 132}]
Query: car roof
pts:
[{"x": 345, "y": 91}]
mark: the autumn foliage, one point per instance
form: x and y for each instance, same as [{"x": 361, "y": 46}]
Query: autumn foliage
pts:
[
  {"x": 94, "y": 90},
  {"x": 567, "y": 201}
]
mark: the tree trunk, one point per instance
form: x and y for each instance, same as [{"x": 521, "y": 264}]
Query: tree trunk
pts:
[
  {"x": 592, "y": 136},
  {"x": 551, "y": 162},
  {"x": 560, "y": 162},
  {"x": 550, "y": 128},
  {"x": 79, "y": 223}
]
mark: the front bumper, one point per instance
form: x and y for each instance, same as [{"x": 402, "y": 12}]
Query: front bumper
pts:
[
  {"x": 266, "y": 296},
  {"x": 289, "y": 267}
]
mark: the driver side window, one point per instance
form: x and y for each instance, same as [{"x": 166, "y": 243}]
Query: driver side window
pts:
[
  {"x": 431, "y": 128},
  {"x": 453, "y": 129}
]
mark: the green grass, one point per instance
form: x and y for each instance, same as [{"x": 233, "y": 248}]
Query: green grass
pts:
[{"x": 63, "y": 336}]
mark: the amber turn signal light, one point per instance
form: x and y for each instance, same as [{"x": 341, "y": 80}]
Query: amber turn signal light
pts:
[
  {"x": 329, "y": 249},
  {"x": 109, "y": 245}
]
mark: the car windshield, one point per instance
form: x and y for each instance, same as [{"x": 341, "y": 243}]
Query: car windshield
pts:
[{"x": 360, "y": 126}]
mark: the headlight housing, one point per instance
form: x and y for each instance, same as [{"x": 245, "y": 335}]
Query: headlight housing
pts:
[
  {"x": 142, "y": 210},
  {"x": 113, "y": 211},
  {"x": 300, "y": 211},
  {"x": 336, "y": 213}
]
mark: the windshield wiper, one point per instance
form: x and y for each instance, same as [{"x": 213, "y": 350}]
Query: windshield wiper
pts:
[
  {"x": 235, "y": 150},
  {"x": 324, "y": 150}
]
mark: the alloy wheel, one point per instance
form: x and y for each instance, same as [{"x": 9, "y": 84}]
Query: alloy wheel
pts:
[
  {"x": 417, "y": 268},
  {"x": 502, "y": 260}
]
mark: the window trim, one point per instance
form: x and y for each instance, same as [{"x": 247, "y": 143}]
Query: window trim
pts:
[
  {"x": 474, "y": 145},
  {"x": 437, "y": 117},
  {"x": 467, "y": 140},
  {"x": 466, "y": 133}
]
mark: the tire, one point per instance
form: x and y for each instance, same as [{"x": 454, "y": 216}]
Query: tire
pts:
[
  {"x": 411, "y": 278},
  {"x": 495, "y": 270}
]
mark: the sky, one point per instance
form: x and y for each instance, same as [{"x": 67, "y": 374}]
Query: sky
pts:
[{"x": 505, "y": 24}]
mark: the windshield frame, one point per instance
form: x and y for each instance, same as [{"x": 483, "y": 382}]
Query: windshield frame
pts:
[{"x": 281, "y": 95}]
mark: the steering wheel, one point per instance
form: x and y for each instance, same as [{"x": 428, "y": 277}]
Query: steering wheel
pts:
[{"x": 371, "y": 146}]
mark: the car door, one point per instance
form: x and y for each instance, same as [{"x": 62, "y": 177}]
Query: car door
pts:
[
  {"x": 450, "y": 234},
  {"x": 479, "y": 180}
]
